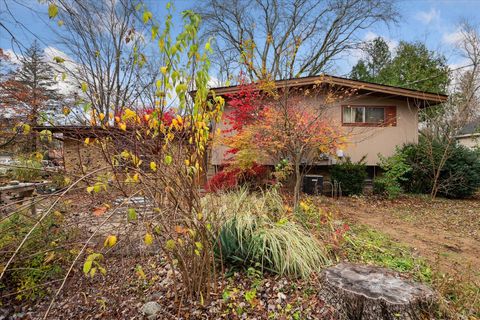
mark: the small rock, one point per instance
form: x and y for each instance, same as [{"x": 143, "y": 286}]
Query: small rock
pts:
[{"x": 150, "y": 308}]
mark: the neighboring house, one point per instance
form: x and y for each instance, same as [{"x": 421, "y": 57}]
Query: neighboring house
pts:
[
  {"x": 377, "y": 119},
  {"x": 469, "y": 136},
  {"x": 79, "y": 158}
]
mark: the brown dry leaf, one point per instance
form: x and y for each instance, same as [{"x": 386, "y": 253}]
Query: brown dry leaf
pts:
[{"x": 99, "y": 211}]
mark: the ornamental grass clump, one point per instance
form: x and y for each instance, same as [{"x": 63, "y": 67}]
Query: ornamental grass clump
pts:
[{"x": 255, "y": 230}]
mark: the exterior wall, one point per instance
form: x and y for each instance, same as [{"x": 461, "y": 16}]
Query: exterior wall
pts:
[
  {"x": 362, "y": 141},
  {"x": 371, "y": 141},
  {"x": 470, "y": 141},
  {"x": 77, "y": 155}
]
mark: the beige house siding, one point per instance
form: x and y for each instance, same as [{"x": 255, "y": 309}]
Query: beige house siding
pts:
[
  {"x": 371, "y": 141},
  {"x": 470, "y": 141},
  {"x": 368, "y": 141}
]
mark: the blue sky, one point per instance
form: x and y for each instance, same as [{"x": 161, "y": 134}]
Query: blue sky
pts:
[{"x": 431, "y": 21}]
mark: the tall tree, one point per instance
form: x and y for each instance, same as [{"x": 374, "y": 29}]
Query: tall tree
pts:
[
  {"x": 286, "y": 39},
  {"x": 105, "y": 41},
  {"x": 413, "y": 66},
  {"x": 377, "y": 57},
  {"x": 442, "y": 128},
  {"x": 28, "y": 92}
]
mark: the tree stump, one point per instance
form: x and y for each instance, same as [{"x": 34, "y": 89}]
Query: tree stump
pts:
[{"x": 368, "y": 292}]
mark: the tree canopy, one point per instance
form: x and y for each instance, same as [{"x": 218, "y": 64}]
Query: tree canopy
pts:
[
  {"x": 286, "y": 39},
  {"x": 411, "y": 66}
]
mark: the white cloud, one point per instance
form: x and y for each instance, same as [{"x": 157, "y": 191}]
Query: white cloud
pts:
[
  {"x": 64, "y": 86},
  {"x": 427, "y": 17},
  {"x": 392, "y": 44},
  {"x": 452, "y": 37},
  {"x": 213, "y": 82}
]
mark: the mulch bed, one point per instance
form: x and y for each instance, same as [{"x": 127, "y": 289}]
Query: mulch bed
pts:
[{"x": 122, "y": 292}]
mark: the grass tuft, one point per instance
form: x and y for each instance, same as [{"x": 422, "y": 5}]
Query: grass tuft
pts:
[{"x": 256, "y": 230}]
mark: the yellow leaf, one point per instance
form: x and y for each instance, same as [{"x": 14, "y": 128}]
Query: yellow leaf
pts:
[
  {"x": 89, "y": 189},
  {"x": 84, "y": 86},
  {"x": 153, "y": 166},
  {"x": 123, "y": 126},
  {"x": 170, "y": 244},
  {"x": 148, "y": 239},
  {"x": 26, "y": 128},
  {"x": 87, "y": 141},
  {"x": 140, "y": 273},
  {"x": 163, "y": 70},
  {"x": 49, "y": 257},
  {"x": 147, "y": 15},
  {"x": 129, "y": 114},
  {"x": 58, "y": 59},
  {"x": 101, "y": 116},
  {"x": 110, "y": 241},
  {"x": 66, "y": 111},
  {"x": 168, "y": 159},
  {"x": 52, "y": 10}
]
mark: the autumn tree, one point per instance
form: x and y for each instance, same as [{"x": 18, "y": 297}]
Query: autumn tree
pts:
[
  {"x": 286, "y": 39},
  {"x": 288, "y": 124},
  {"x": 28, "y": 92}
]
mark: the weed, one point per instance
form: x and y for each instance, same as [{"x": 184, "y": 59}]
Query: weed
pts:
[
  {"x": 370, "y": 246},
  {"x": 39, "y": 260}
]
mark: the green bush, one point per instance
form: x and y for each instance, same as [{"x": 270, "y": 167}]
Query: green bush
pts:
[
  {"x": 459, "y": 177},
  {"x": 394, "y": 170},
  {"x": 350, "y": 175},
  {"x": 256, "y": 232},
  {"x": 38, "y": 261}
]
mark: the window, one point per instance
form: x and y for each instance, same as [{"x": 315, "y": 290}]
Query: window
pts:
[{"x": 368, "y": 116}]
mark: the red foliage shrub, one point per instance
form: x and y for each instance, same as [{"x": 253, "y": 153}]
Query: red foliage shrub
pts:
[
  {"x": 231, "y": 178},
  {"x": 245, "y": 104}
]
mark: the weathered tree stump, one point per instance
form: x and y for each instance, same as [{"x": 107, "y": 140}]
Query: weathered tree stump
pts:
[{"x": 367, "y": 292}]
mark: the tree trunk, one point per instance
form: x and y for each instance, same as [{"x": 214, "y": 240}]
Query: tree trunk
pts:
[
  {"x": 298, "y": 184},
  {"x": 367, "y": 292}
]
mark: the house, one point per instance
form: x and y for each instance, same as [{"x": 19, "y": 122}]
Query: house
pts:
[
  {"x": 80, "y": 158},
  {"x": 378, "y": 118},
  {"x": 74, "y": 154},
  {"x": 469, "y": 136}
]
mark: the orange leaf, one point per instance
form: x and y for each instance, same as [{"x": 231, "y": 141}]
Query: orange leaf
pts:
[
  {"x": 180, "y": 229},
  {"x": 99, "y": 211}
]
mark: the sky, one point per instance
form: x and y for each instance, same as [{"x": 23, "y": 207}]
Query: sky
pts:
[{"x": 433, "y": 22}]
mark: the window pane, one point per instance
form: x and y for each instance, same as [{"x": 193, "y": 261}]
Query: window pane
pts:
[
  {"x": 358, "y": 114},
  {"x": 374, "y": 115},
  {"x": 347, "y": 115}
]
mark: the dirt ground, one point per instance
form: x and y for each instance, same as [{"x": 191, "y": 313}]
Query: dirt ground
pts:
[{"x": 445, "y": 232}]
